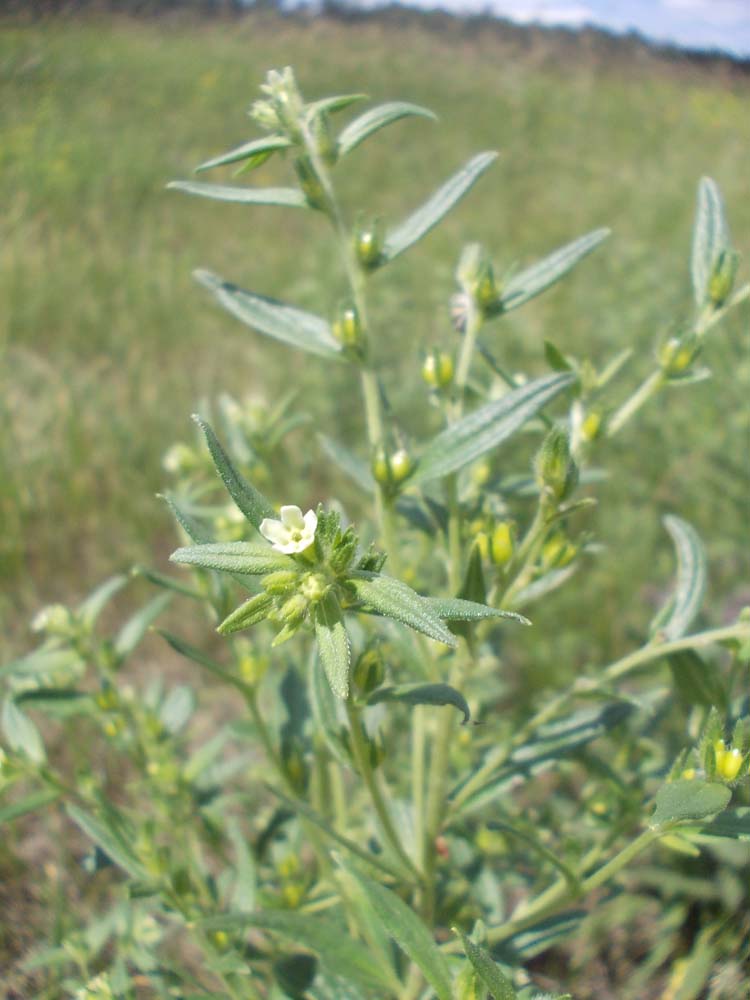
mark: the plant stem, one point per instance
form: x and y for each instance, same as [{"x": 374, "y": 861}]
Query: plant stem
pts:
[
  {"x": 630, "y": 407},
  {"x": 361, "y": 753}
]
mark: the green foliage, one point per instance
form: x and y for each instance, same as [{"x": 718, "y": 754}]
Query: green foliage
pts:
[{"x": 307, "y": 834}]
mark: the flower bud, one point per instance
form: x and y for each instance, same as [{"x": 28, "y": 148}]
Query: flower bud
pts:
[
  {"x": 285, "y": 99},
  {"x": 283, "y": 581},
  {"x": 401, "y": 465},
  {"x": 389, "y": 470},
  {"x": 556, "y": 470},
  {"x": 558, "y": 551},
  {"x": 369, "y": 670},
  {"x": 476, "y": 277},
  {"x": 179, "y": 459},
  {"x": 314, "y": 587},
  {"x": 678, "y": 354},
  {"x": 721, "y": 281},
  {"x": 55, "y": 619},
  {"x": 501, "y": 544},
  {"x": 368, "y": 245},
  {"x": 347, "y": 329},
  {"x": 264, "y": 114},
  {"x": 728, "y": 761},
  {"x": 591, "y": 426},
  {"x": 437, "y": 370},
  {"x": 309, "y": 183},
  {"x": 292, "y": 611}
]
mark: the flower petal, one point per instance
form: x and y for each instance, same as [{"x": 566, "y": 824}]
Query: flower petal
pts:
[
  {"x": 311, "y": 522},
  {"x": 291, "y": 517},
  {"x": 274, "y": 531}
]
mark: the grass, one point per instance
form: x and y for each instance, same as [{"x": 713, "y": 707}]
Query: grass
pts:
[{"x": 107, "y": 345}]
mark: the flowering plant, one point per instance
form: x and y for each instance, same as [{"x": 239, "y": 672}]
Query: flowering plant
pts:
[{"x": 348, "y": 833}]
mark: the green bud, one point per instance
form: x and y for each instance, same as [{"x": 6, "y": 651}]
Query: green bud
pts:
[
  {"x": 325, "y": 144},
  {"x": 179, "y": 459},
  {"x": 347, "y": 329},
  {"x": 281, "y": 582},
  {"x": 369, "y": 671},
  {"x": 314, "y": 587},
  {"x": 476, "y": 276},
  {"x": 264, "y": 114},
  {"x": 501, "y": 544},
  {"x": 309, "y": 183},
  {"x": 556, "y": 470},
  {"x": 721, "y": 282},
  {"x": 437, "y": 370},
  {"x": 401, "y": 465},
  {"x": 285, "y": 99},
  {"x": 55, "y": 619},
  {"x": 677, "y": 354},
  {"x": 292, "y": 611},
  {"x": 368, "y": 245}
]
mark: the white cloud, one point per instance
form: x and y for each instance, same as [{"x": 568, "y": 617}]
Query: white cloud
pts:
[
  {"x": 722, "y": 12},
  {"x": 573, "y": 15}
]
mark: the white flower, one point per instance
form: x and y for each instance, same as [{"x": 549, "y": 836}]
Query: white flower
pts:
[{"x": 293, "y": 533}]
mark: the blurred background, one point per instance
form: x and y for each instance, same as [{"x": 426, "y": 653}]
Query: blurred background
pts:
[{"x": 107, "y": 345}]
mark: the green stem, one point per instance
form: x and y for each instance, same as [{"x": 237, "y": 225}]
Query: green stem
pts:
[
  {"x": 630, "y": 407},
  {"x": 361, "y": 753},
  {"x": 656, "y": 650}
]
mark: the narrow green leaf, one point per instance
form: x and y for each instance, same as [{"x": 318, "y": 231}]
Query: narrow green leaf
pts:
[
  {"x": 386, "y": 596},
  {"x": 106, "y": 835},
  {"x": 675, "y": 618},
  {"x": 195, "y": 531},
  {"x": 733, "y": 823},
  {"x": 429, "y": 215},
  {"x": 710, "y": 237},
  {"x": 41, "y": 662},
  {"x": 21, "y": 733},
  {"x": 253, "y": 504},
  {"x": 409, "y": 933},
  {"x": 544, "y": 585},
  {"x": 487, "y": 427},
  {"x": 688, "y": 800},
  {"x": 327, "y": 938},
  {"x": 167, "y": 582},
  {"x": 330, "y": 105},
  {"x": 325, "y": 712},
  {"x": 274, "y": 319},
  {"x": 333, "y": 646},
  {"x": 696, "y": 681},
  {"x": 376, "y": 118},
  {"x": 532, "y": 281},
  {"x": 30, "y": 803},
  {"x": 90, "y": 609},
  {"x": 423, "y": 694},
  {"x": 253, "y": 611},
  {"x": 284, "y": 197},
  {"x": 234, "y": 557},
  {"x": 354, "y": 467},
  {"x": 487, "y": 969},
  {"x": 454, "y": 609},
  {"x": 136, "y": 627},
  {"x": 177, "y": 708},
  {"x": 203, "y": 659},
  {"x": 256, "y": 152},
  {"x": 245, "y": 880}
]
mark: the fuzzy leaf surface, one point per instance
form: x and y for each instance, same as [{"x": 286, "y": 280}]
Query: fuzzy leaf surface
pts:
[
  {"x": 423, "y": 694},
  {"x": 455, "y": 609},
  {"x": 429, "y": 215},
  {"x": 412, "y": 936},
  {"x": 534, "y": 280},
  {"x": 389, "y": 597},
  {"x": 487, "y": 427},
  {"x": 284, "y": 197},
  {"x": 710, "y": 237},
  {"x": 258, "y": 150},
  {"x": 291, "y": 326},
  {"x": 253, "y": 611},
  {"x": 686, "y": 800},
  {"x": 676, "y": 617},
  {"x": 21, "y": 733},
  {"x": 376, "y": 118},
  {"x": 103, "y": 832},
  {"x": 138, "y": 625},
  {"x": 333, "y": 646},
  {"x": 488, "y": 970},
  {"x": 234, "y": 557},
  {"x": 40, "y": 662},
  {"x": 253, "y": 504},
  {"x": 329, "y": 105}
]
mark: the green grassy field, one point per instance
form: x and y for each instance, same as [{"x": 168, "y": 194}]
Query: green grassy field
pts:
[{"x": 106, "y": 345}]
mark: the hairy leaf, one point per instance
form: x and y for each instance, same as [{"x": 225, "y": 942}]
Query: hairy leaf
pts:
[
  {"x": 488, "y": 970},
  {"x": 422, "y": 694},
  {"x": 455, "y": 609},
  {"x": 710, "y": 237},
  {"x": 284, "y": 197},
  {"x": 687, "y": 800},
  {"x": 375, "y": 119},
  {"x": 136, "y": 627},
  {"x": 21, "y": 733},
  {"x": 234, "y": 557},
  {"x": 676, "y": 617},
  {"x": 333, "y": 646},
  {"x": 255, "y": 152},
  {"x": 386, "y": 596}
]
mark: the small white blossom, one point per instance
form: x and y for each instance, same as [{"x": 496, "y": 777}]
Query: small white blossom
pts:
[{"x": 293, "y": 533}]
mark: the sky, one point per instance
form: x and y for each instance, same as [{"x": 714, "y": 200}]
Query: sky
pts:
[{"x": 698, "y": 24}]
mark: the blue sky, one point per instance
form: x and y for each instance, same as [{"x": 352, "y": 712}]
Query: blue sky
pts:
[{"x": 704, "y": 24}]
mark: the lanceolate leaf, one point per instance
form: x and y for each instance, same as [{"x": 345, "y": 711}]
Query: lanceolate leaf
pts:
[
  {"x": 710, "y": 237},
  {"x": 21, "y": 733},
  {"x": 114, "y": 842},
  {"x": 136, "y": 627},
  {"x": 423, "y": 694},
  {"x": 454, "y": 609},
  {"x": 274, "y": 319},
  {"x": 349, "y": 463},
  {"x": 483, "y": 430},
  {"x": 376, "y": 118},
  {"x": 386, "y": 596},
  {"x": 90, "y": 609},
  {"x": 234, "y": 557},
  {"x": 255, "y": 610},
  {"x": 688, "y": 800},
  {"x": 325, "y": 712},
  {"x": 30, "y": 803},
  {"x": 488, "y": 971},
  {"x": 253, "y": 504},
  {"x": 320, "y": 934},
  {"x": 331, "y": 104},
  {"x": 285, "y": 197},
  {"x": 427, "y": 217},
  {"x": 42, "y": 661},
  {"x": 535, "y": 279},
  {"x": 258, "y": 150},
  {"x": 410, "y": 934},
  {"x": 333, "y": 646},
  {"x": 675, "y": 618}
]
